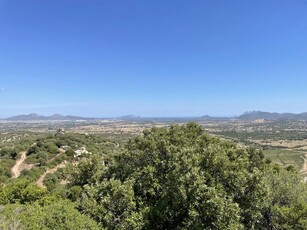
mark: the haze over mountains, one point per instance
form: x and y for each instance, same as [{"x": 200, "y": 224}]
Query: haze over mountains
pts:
[
  {"x": 257, "y": 115},
  {"x": 254, "y": 115},
  {"x": 54, "y": 117}
]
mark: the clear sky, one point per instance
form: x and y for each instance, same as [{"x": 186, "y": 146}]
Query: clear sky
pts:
[{"x": 106, "y": 58}]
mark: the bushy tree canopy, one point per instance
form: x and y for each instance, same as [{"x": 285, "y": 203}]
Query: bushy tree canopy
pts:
[{"x": 182, "y": 178}]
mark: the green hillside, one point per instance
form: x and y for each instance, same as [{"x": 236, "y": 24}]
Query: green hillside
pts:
[{"x": 178, "y": 177}]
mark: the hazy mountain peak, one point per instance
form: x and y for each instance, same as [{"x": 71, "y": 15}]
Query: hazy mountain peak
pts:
[
  {"x": 255, "y": 115},
  {"x": 34, "y": 116},
  {"x": 252, "y": 112}
]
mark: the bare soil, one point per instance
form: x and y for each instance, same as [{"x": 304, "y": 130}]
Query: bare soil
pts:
[
  {"x": 40, "y": 181},
  {"x": 16, "y": 169}
]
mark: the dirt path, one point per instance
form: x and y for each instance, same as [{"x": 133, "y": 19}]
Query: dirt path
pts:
[
  {"x": 304, "y": 169},
  {"x": 305, "y": 163},
  {"x": 61, "y": 151},
  {"x": 40, "y": 181},
  {"x": 16, "y": 168}
]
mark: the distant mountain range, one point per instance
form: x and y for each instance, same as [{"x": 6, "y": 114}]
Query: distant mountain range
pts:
[
  {"x": 256, "y": 115},
  {"x": 252, "y": 116},
  {"x": 54, "y": 117},
  {"x": 260, "y": 115}
]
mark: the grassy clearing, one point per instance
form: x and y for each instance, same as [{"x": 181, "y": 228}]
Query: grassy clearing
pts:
[{"x": 286, "y": 157}]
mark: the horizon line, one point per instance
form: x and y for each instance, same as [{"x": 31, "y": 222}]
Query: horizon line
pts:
[{"x": 140, "y": 116}]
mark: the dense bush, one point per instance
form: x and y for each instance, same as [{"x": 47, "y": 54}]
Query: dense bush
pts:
[
  {"x": 8, "y": 152},
  {"x": 181, "y": 178},
  {"x": 58, "y": 215}
]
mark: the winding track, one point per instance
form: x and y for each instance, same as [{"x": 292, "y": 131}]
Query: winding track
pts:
[
  {"x": 40, "y": 181},
  {"x": 16, "y": 168},
  {"x": 304, "y": 169}
]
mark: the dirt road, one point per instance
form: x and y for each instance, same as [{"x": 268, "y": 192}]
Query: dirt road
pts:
[
  {"x": 40, "y": 181},
  {"x": 16, "y": 168},
  {"x": 61, "y": 151}
]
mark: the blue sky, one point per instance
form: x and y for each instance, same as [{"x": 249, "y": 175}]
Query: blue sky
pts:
[{"x": 106, "y": 58}]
